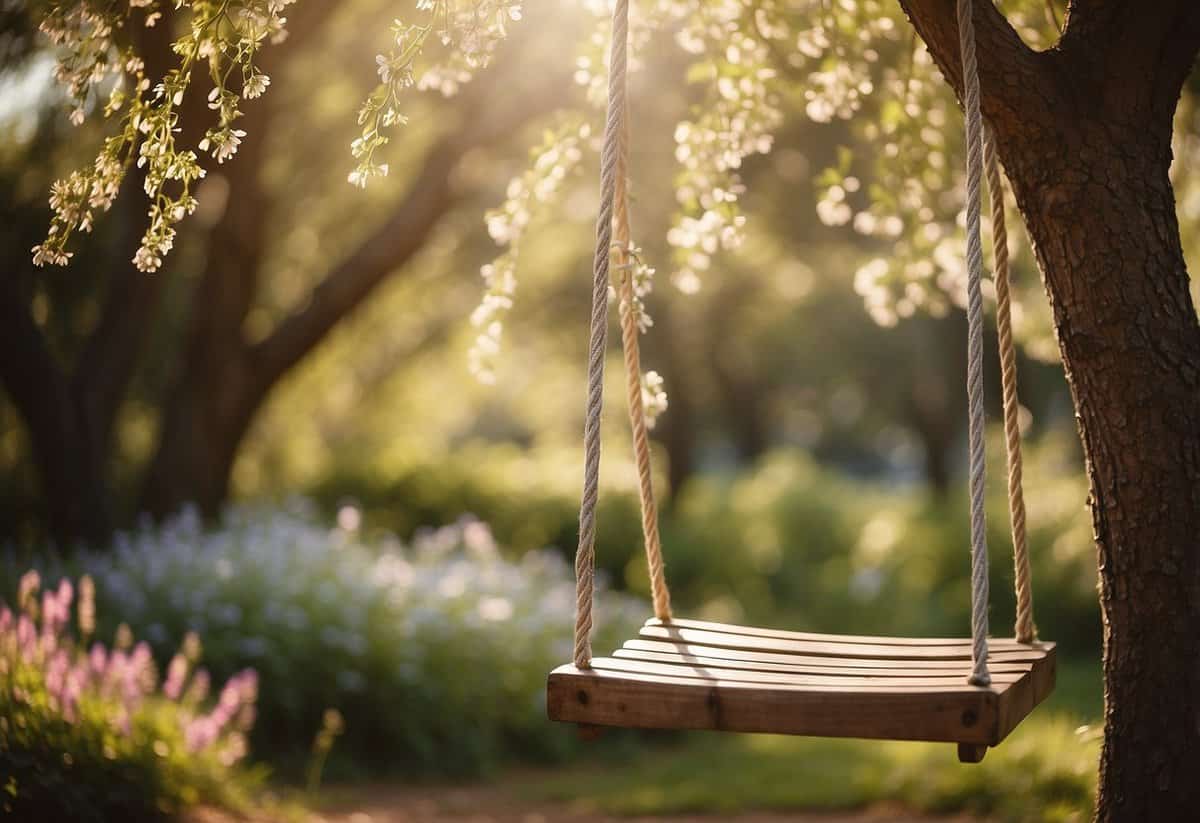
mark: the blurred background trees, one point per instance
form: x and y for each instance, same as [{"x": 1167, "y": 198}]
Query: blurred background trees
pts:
[
  {"x": 129, "y": 393},
  {"x": 306, "y": 338}
]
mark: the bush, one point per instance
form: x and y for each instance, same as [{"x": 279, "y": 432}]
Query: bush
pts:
[
  {"x": 791, "y": 542},
  {"x": 787, "y": 541},
  {"x": 435, "y": 654},
  {"x": 90, "y": 735},
  {"x": 528, "y": 497}
]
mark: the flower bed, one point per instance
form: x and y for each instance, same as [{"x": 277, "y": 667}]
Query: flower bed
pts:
[
  {"x": 89, "y": 733},
  {"x": 435, "y": 653}
]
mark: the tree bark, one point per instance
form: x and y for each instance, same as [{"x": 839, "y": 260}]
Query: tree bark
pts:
[
  {"x": 1084, "y": 132},
  {"x": 1103, "y": 218}
]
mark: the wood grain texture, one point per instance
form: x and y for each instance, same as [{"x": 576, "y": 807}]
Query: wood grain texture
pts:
[
  {"x": 828, "y": 646},
  {"x": 792, "y": 659},
  {"x": 781, "y": 634},
  {"x": 695, "y": 675}
]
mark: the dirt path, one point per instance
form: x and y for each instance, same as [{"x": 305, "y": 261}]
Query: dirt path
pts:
[{"x": 491, "y": 804}]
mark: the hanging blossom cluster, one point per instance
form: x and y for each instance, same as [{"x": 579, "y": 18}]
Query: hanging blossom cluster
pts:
[
  {"x": 554, "y": 162},
  {"x": 101, "y": 70},
  {"x": 908, "y": 144},
  {"x": 468, "y": 34},
  {"x": 736, "y": 119},
  {"x": 44, "y": 666},
  {"x": 654, "y": 395}
]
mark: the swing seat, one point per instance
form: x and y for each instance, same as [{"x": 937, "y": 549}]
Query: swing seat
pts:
[{"x": 692, "y": 674}]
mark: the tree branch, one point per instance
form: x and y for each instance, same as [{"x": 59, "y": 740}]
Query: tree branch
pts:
[
  {"x": 110, "y": 356},
  {"x": 394, "y": 243},
  {"x": 1141, "y": 53},
  {"x": 1007, "y": 66}
]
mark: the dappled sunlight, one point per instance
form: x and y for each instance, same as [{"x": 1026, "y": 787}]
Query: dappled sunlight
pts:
[{"x": 307, "y": 311}]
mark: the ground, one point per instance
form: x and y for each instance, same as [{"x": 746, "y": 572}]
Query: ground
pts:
[{"x": 502, "y": 804}]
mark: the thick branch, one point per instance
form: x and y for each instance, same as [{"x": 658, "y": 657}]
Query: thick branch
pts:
[
  {"x": 1009, "y": 71},
  {"x": 1139, "y": 54},
  {"x": 390, "y": 246},
  {"x": 110, "y": 356}
]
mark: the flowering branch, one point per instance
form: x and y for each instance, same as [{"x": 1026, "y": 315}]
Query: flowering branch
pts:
[{"x": 225, "y": 34}]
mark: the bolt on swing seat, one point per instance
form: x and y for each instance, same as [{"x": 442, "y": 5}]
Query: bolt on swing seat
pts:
[{"x": 693, "y": 674}]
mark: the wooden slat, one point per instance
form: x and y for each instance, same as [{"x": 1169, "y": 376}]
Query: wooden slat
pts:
[
  {"x": 909, "y": 684},
  {"x": 1005, "y": 643},
  {"x": 685, "y": 677},
  {"x": 918, "y": 670},
  {"x": 954, "y": 714},
  {"x": 749, "y": 656},
  {"x": 823, "y": 648}
]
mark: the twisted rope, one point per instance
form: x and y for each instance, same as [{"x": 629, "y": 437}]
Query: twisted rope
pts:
[
  {"x": 585, "y": 555},
  {"x": 659, "y": 593},
  {"x": 976, "y": 414},
  {"x": 1026, "y": 632}
]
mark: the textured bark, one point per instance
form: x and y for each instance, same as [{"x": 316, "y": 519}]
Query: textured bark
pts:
[
  {"x": 1109, "y": 245},
  {"x": 1084, "y": 132}
]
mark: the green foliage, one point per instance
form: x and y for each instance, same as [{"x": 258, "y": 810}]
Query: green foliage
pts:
[
  {"x": 100, "y": 55},
  {"x": 89, "y": 736},
  {"x": 435, "y": 655},
  {"x": 792, "y": 539},
  {"x": 87, "y": 771},
  {"x": 788, "y": 542},
  {"x": 530, "y": 500}
]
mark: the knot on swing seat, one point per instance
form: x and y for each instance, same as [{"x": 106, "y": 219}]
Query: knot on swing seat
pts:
[{"x": 690, "y": 674}]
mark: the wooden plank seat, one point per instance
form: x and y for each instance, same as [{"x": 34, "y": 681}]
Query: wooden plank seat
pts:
[{"x": 690, "y": 674}]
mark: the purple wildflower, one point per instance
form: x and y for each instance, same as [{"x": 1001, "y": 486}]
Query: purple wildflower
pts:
[
  {"x": 31, "y": 581},
  {"x": 197, "y": 691},
  {"x": 176, "y": 675},
  {"x": 122, "y": 676},
  {"x": 27, "y": 645},
  {"x": 87, "y": 607},
  {"x": 201, "y": 733}
]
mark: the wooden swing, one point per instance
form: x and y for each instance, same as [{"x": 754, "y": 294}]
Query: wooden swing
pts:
[{"x": 691, "y": 674}]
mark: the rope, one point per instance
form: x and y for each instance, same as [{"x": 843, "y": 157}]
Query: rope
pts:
[
  {"x": 1025, "y": 631},
  {"x": 976, "y": 414},
  {"x": 659, "y": 593},
  {"x": 585, "y": 555}
]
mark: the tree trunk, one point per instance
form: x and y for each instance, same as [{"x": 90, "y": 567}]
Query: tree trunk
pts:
[
  {"x": 210, "y": 405},
  {"x": 1102, "y": 214},
  {"x": 1084, "y": 132},
  {"x": 678, "y": 429}
]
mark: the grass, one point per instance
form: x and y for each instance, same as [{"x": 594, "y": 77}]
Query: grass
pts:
[{"x": 1045, "y": 771}]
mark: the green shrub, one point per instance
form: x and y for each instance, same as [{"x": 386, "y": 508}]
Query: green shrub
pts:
[
  {"x": 787, "y": 541},
  {"x": 528, "y": 497},
  {"x": 793, "y": 543},
  {"x": 436, "y": 654},
  {"x": 90, "y": 735}
]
